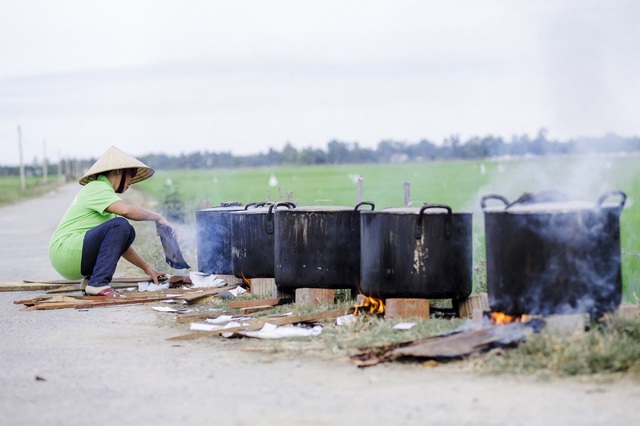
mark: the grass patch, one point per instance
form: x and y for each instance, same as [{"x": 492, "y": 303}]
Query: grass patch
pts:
[
  {"x": 609, "y": 348},
  {"x": 11, "y": 189},
  {"x": 367, "y": 331}
]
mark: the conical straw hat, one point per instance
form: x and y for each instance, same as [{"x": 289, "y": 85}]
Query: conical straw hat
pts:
[{"x": 114, "y": 159}]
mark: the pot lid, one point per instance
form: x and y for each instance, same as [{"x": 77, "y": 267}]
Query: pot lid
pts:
[
  {"x": 401, "y": 210},
  {"x": 408, "y": 210},
  {"x": 222, "y": 209},
  {"x": 541, "y": 208},
  {"x": 552, "y": 202},
  {"x": 252, "y": 210},
  {"x": 320, "y": 209},
  {"x": 261, "y": 210}
]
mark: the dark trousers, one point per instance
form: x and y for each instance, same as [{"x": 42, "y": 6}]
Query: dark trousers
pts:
[{"x": 102, "y": 249}]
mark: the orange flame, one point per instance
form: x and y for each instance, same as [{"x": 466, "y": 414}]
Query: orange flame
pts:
[
  {"x": 370, "y": 306},
  {"x": 501, "y": 318},
  {"x": 246, "y": 280}
]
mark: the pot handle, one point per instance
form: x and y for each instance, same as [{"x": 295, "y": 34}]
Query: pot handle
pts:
[
  {"x": 286, "y": 204},
  {"x": 447, "y": 220},
  {"x": 483, "y": 200},
  {"x": 603, "y": 197},
  {"x": 365, "y": 203},
  {"x": 253, "y": 204}
]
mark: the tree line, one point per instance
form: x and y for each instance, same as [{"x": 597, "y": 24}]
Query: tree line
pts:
[
  {"x": 392, "y": 151},
  {"x": 387, "y": 151}
]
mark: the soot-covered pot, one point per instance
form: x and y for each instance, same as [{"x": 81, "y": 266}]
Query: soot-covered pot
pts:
[
  {"x": 421, "y": 252},
  {"x": 213, "y": 240},
  {"x": 548, "y": 255},
  {"x": 318, "y": 247},
  {"x": 252, "y": 246}
]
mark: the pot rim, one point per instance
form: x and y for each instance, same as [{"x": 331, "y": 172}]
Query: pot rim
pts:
[
  {"x": 409, "y": 211},
  {"x": 550, "y": 208},
  {"x": 318, "y": 209}
]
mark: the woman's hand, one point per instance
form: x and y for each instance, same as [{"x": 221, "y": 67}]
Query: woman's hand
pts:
[{"x": 155, "y": 275}]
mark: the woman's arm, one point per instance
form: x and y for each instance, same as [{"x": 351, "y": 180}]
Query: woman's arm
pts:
[
  {"x": 132, "y": 256},
  {"x": 133, "y": 212}
]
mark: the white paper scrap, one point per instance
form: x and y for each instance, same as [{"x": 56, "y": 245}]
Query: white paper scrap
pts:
[
  {"x": 229, "y": 294},
  {"x": 200, "y": 279},
  {"x": 270, "y": 331},
  {"x": 346, "y": 320},
  {"x": 172, "y": 310},
  {"x": 219, "y": 320},
  {"x": 151, "y": 286},
  {"x": 198, "y": 326},
  {"x": 404, "y": 326},
  {"x": 180, "y": 273},
  {"x": 164, "y": 309}
]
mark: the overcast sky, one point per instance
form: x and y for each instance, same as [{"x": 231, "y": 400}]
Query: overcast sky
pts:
[{"x": 175, "y": 77}]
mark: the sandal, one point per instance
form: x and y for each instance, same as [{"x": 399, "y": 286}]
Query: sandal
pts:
[
  {"x": 105, "y": 291},
  {"x": 110, "y": 293}
]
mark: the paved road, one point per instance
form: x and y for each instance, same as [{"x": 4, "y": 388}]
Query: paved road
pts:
[
  {"x": 25, "y": 229},
  {"x": 107, "y": 366}
]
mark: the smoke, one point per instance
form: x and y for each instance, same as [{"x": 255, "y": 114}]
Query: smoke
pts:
[
  {"x": 579, "y": 178},
  {"x": 546, "y": 262}
]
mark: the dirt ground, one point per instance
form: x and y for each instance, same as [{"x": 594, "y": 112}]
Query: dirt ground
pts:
[{"x": 114, "y": 365}]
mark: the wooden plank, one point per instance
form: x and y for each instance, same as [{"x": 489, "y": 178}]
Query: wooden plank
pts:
[
  {"x": 76, "y": 287},
  {"x": 22, "y": 286},
  {"x": 254, "y": 309},
  {"x": 465, "y": 343},
  {"x": 120, "y": 301},
  {"x": 176, "y": 281},
  {"x": 60, "y": 282},
  {"x": 64, "y": 289},
  {"x": 82, "y": 302},
  {"x": 239, "y": 304},
  {"x": 258, "y": 323},
  {"x": 55, "y": 299},
  {"x": 192, "y": 297},
  {"x": 50, "y": 306},
  {"x": 113, "y": 280}
]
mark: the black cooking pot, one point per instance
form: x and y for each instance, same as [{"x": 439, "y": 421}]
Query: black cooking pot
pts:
[
  {"x": 416, "y": 253},
  {"x": 253, "y": 240},
  {"x": 318, "y": 247},
  {"x": 213, "y": 238},
  {"x": 548, "y": 255}
]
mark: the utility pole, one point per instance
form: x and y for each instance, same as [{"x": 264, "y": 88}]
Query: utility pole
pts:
[
  {"x": 60, "y": 166},
  {"x": 45, "y": 178},
  {"x": 23, "y": 181}
]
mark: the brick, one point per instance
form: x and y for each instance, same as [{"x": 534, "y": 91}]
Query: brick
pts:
[{"x": 407, "y": 308}]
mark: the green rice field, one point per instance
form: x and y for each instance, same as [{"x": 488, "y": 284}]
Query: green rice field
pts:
[
  {"x": 459, "y": 184},
  {"x": 11, "y": 190}
]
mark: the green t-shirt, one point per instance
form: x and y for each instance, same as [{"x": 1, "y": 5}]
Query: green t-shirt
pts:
[{"x": 88, "y": 210}]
